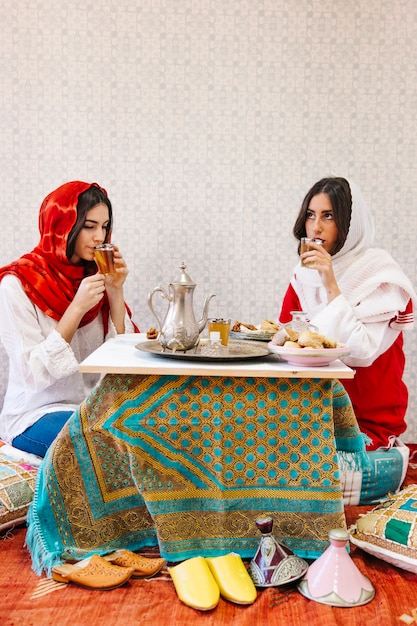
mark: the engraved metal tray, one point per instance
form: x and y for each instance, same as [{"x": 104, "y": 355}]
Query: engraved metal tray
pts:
[{"x": 235, "y": 351}]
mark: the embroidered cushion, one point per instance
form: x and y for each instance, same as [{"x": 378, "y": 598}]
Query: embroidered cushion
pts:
[
  {"x": 389, "y": 531},
  {"x": 384, "y": 475},
  {"x": 17, "y": 486}
]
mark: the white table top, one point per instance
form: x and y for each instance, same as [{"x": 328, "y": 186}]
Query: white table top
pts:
[{"x": 120, "y": 356}]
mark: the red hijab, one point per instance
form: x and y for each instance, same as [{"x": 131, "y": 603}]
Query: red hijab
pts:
[{"x": 49, "y": 279}]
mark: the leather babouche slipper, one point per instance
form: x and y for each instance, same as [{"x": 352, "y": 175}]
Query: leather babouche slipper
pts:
[
  {"x": 93, "y": 573},
  {"x": 233, "y": 578},
  {"x": 144, "y": 567},
  {"x": 195, "y": 584}
]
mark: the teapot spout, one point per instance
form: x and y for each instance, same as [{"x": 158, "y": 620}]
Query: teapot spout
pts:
[{"x": 202, "y": 323}]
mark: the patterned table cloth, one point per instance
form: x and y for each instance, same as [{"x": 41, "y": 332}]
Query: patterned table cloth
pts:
[{"x": 190, "y": 463}]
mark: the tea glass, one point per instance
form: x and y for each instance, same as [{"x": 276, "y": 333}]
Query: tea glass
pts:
[
  {"x": 305, "y": 247},
  {"x": 221, "y": 326},
  {"x": 103, "y": 255}
]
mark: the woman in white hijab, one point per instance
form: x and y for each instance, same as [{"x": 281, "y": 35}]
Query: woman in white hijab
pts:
[{"x": 358, "y": 295}]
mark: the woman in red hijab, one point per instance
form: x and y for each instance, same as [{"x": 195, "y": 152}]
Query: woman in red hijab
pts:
[{"x": 55, "y": 309}]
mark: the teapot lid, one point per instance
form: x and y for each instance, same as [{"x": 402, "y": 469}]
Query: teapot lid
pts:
[{"x": 183, "y": 278}]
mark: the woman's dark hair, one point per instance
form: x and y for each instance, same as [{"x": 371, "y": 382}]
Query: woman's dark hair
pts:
[
  {"x": 86, "y": 200},
  {"x": 338, "y": 191}
]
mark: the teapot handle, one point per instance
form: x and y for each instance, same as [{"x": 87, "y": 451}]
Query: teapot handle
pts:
[{"x": 150, "y": 304}]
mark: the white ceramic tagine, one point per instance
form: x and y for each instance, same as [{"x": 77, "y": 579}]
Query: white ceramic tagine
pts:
[{"x": 334, "y": 578}]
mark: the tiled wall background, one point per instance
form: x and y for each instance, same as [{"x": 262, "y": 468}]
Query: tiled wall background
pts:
[{"x": 207, "y": 121}]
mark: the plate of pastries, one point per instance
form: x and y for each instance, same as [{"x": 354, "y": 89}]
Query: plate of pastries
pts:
[
  {"x": 306, "y": 347},
  {"x": 261, "y": 332}
]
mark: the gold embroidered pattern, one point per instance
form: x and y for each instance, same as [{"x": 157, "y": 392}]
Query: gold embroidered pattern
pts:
[{"x": 196, "y": 461}]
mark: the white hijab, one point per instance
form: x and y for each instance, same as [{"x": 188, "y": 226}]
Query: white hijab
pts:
[{"x": 365, "y": 275}]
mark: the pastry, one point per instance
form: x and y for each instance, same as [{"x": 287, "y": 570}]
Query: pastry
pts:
[
  {"x": 292, "y": 334},
  {"x": 292, "y": 344},
  {"x": 268, "y": 326},
  {"x": 152, "y": 334},
  {"x": 309, "y": 339}
]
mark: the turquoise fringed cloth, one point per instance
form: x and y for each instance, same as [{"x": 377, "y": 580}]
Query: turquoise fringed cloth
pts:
[
  {"x": 351, "y": 447},
  {"x": 189, "y": 463}
]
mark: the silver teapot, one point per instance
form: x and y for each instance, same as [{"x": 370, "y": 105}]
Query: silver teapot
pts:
[{"x": 180, "y": 330}]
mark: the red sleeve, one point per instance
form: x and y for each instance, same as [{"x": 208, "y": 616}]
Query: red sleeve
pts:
[{"x": 289, "y": 303}]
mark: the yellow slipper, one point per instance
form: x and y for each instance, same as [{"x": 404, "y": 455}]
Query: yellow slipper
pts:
[
  {"x": 144, "y": 567},
  {"x": 233, "y": 578},
  {"x": 195, "y": 585},
  {"x": 93, "y": 573}
]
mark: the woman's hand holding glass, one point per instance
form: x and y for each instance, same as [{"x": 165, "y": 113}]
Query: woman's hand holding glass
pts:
[
  {"x": 117, "y": 278},
  {"x": 319, "y": 259},
  {"x": 315, "y": 256},
  {"x": 114, "y": 287}
]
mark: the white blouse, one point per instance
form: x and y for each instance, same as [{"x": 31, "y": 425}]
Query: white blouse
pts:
[{"x": 43, "y": 367}]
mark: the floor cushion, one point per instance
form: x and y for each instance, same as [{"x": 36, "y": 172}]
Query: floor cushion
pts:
[
  {"x": 389, "y": 531},
  {"x": 384, "y": 475},
  {"x": 17, "y": 486}
]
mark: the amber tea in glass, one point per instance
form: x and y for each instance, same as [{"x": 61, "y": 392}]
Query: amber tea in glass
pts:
[
  {"x": 305, "y": 247},
  {"x": 221, "y": 326},
  {"x": 103, "y": 255}
]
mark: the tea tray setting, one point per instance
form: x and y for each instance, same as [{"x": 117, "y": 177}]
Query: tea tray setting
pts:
[{"x": 122, "y": 355}]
